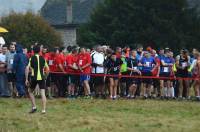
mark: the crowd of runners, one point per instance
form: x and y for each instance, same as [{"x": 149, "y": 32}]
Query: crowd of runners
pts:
[{"x": 101, "y": 72}]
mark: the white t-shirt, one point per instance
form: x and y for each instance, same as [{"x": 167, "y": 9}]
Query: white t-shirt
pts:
[
  {"x": 2, "y": 58},
  {"x": 98, "y": 58}
]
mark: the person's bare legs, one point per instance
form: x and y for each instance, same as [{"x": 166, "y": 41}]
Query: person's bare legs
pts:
[
  {"x": 187, "y": 87},
  {"x": 32, "y": 98},
  {"x": 72, "y": 89},
  {"x": 115, "y": 88},
  {"x": 180, "y": 94},
  {"x": 87, "y": 87},
  {"x": 197, "y": 90},
  {"x": 148, "y": 90},
  {"x": 162, "y": 91},
  {"x": 132, "y": 90},
  {"x": 44, "y": 100},
  {"x": 49, "y": 92},
  {"x": 169, "y": 89},
  {"x": 111, "y": 87}
]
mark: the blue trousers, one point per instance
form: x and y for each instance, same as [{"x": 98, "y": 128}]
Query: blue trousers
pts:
[{"x": 20, "y": 84}]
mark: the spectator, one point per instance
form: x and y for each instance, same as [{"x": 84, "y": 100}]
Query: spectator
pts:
[
  {"x": 182, "y": 66},
  {"x": 4, "y": 92},
  {"x": 84, "y": 65},
  {"x": 113, "y": 67},
  {"x": 98, "y": 68},
  {"x": 10, "y": 72},
  {"x": 19, "y": 65}
]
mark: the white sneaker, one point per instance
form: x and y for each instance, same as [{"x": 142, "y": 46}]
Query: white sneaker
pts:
[{"x": 43, "y": 111}]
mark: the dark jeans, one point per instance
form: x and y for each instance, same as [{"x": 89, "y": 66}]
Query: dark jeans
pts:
[
  {"x": 61, "y": 83},
  {"x": 4, "y": 85},
  {"x": 20, "y": 85}
]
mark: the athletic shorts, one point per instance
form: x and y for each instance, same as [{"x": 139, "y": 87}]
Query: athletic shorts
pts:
[
  {"x": 73, "y": 79},
  {"x": 182, "y": 73},
  {"x": 34, "y": 82},
  {"x": 84, "y": 78},
  {"x": 165, "y": 74},
  {"x": 115, "y": 76},
  {"x": 132, "y": 81},
  {"x": 53, "y": 77},
  {"x": 147, "y": 80},
  {"x": 98, "y": 80},
  {"x": 50, "y": 79},
  {"x": 124, "y": 79},
  {"x": 11, "y": 77}
]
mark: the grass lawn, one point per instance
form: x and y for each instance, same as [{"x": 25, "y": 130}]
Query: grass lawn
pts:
[{"x": 101, "y": 116}]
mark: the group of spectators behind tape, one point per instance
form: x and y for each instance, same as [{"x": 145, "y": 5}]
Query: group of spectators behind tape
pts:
[{"x": 77, "y": 71}]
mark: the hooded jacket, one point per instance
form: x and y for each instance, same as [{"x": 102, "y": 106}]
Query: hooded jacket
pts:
[{"x": 20, "y": 62}]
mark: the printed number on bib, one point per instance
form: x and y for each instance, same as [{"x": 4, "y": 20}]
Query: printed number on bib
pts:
[
  {"x": 166, "y": 69},
  {"x": 80, "y": 62},
  {"x": 11, "y": 61},
  {"x": 50, "y": 62}
]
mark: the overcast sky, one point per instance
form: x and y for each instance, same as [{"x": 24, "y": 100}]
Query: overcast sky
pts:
[{"x": 20, "y": 6}]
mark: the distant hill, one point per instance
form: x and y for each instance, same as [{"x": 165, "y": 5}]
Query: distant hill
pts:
[
  {"x": 54, "y": 11},
  {"x": 6, "y": 6}
]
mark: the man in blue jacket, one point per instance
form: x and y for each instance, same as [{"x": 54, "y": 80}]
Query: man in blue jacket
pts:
[{"x": 19, "y": 66}]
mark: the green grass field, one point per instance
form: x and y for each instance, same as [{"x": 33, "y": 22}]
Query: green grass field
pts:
[{"x": 101, "y": 116}]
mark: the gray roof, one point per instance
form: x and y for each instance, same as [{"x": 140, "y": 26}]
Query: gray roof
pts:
[{"x": 54, "y": 11}]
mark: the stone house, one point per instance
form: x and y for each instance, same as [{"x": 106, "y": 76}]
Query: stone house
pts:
[{"x": 66, "y": 15}]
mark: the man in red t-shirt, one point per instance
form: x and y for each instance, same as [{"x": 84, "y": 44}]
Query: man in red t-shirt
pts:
[
  {"x": 60, "y": 63},
  {"x": 71, "y": 60},
  {"x": 84, "y": 65}
]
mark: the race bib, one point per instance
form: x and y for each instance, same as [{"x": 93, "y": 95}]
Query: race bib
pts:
[
  {"x": 148, "y": 64},
  {"x": 50, "y": 62},
  {"x": 135, "y": 68},
  {"x": 184, "y": 64},
  {"x": 115, "y": 68},
  {"x": 166, "y": 69},
  {"x": 80, "y": 62},
  {"x": 11, "y": 61}
]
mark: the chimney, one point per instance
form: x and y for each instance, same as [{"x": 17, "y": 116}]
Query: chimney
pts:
[{"x": 69, "y": 12}]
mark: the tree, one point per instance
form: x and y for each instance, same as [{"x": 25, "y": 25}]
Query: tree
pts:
[
  {"x": 156, "y": 23},
  {"x": 28, "y": 29}
]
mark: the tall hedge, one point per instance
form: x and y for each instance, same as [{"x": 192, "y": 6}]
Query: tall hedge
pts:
[{"x": 158, "y": 23}]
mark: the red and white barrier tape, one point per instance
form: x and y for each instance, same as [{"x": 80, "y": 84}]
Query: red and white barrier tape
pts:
[{"x": 128, "y": 76}]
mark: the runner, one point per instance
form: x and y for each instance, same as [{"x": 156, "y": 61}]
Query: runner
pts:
[
  {"x": 71, "y": 60},
  {"x": 132, "y": 66},
  {"x": 61, "y": 78},
  {"x": 113, "y": 68},
  {"x": 165, "y": 71},
  {"x": 37, "y": 64},
  {"x": 84, "y": 65},
  {"x": 182, "y": 66},
  {"x": 196, "y": 73},
  {"x": 147, "y": 63}
]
